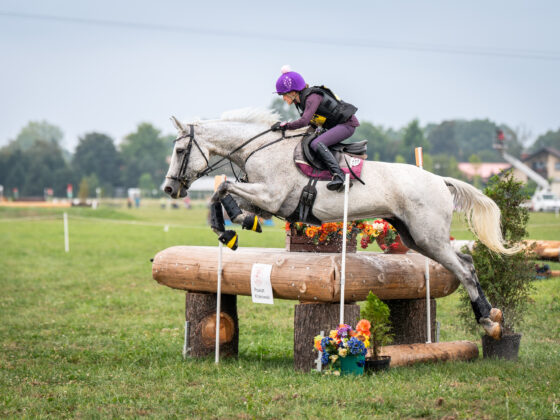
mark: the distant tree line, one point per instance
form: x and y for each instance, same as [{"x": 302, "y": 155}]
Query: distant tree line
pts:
[{"x": 35, "y": 159}]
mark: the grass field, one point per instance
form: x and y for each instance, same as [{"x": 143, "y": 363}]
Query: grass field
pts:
[{"x": 89, "y": 334}]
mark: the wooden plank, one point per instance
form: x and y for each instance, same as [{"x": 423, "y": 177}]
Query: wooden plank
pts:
[
  {"x": 307, "y": 277},
  {"x": 409, "y": 354}
]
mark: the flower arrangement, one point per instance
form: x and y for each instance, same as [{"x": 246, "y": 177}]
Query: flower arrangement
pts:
[
  {"x": 324, "y": 233},
  {"x": 369, "y": 231},
  {"x": 343, "y": 342},
  {"x": 380, "y": 228}
]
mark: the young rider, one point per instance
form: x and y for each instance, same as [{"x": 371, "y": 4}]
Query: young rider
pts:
[{"x": 318, "y": 107}]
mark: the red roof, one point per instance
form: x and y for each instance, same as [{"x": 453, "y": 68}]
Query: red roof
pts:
[{"x": 485, "y": 169}]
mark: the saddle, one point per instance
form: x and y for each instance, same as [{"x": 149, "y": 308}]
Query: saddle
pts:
[{"x": 348, "y": 155}]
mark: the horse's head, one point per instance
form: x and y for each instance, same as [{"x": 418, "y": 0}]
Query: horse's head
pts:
[{"x": 188, "y": 161}]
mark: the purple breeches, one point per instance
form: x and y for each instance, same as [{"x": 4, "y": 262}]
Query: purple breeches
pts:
[{"x": 334, "y": 135}]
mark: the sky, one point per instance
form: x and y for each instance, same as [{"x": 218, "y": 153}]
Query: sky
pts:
[{"x": 107, "y": 66}]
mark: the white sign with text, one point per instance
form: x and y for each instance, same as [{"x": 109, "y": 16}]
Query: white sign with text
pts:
[{"x": 261, "y": 289}]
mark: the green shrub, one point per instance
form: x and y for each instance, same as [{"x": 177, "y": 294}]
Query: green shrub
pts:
[
  {"x": 505, "y": 279},
  {"x": 377, "y": 313}
]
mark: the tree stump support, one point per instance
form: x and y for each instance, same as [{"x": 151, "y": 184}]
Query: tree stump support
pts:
[
  {"x": 200, "y": 311},
  {"x": 312, "y": 318},
  {"x": 408, "y": 320}
]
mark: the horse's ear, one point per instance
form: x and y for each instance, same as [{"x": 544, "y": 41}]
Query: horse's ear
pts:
[{"x": 177, "y": 124}]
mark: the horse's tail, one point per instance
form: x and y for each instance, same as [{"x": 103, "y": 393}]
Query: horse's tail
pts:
[{"x": 483, "y": 215}]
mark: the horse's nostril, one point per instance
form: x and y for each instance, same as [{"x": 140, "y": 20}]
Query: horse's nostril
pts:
[{"x": 168, "y": 190}]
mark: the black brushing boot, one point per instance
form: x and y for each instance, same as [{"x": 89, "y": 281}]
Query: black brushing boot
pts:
[{"x": 337, "y": 183}]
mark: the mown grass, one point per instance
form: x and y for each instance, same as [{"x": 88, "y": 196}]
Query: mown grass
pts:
[{"x": 90, "y": 334}]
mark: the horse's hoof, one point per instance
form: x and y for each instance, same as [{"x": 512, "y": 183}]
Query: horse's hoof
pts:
[
  {"x": 229, "y": 239},
  {"x": 251, "y": 222},
  {"x": 494, "y": 330},
  {"x": 496, "y": 315}
]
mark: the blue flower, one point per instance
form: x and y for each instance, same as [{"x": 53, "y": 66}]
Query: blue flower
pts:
[
  {"x": 325, "y": 358},
  {"x": 356, "y": 346},
  {"x": 361, "y": 362},
  {"x": 325, "y": 342}
]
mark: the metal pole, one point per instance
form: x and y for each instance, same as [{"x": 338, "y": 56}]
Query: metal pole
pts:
[
  {"x": 218, "y": 303},
  {"x": 186, "y": 343},
  {"x": 66, "y": 238},
  {"x": 428, "y": 314},
  {"x": 420, "y": 164},
  {"x": 343, "y": 265}
]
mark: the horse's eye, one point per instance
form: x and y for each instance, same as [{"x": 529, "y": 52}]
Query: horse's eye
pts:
[{"x": 179, "y": 151}]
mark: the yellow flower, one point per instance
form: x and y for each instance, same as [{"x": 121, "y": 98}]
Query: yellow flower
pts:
[
  {"x": 333, "y": 358},
  {"x": 317, "y": 341},
  {"x": 332, "y": 334},
  {"x": 342, "y": 352}
]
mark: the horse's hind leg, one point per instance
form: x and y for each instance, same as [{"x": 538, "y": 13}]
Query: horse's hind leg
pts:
[{"x": 438, "y": 248}]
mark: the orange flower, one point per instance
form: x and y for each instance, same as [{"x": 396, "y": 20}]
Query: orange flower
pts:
[
  {"x": 288, "y": 227},
  {"x": 363, "y": 327},
  {"x": 311, "y": 231}
]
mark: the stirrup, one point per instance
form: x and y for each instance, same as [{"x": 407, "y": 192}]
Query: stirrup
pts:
[{"x": 337, "y": 184}]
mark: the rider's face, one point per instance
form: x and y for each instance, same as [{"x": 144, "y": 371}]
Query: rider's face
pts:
[{"x": 289, "y": 97}]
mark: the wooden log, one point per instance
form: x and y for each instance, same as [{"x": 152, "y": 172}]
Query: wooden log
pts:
[
  {"x": 200, "y": 311},
  {"x": 306, "y": 277},
  {"x": 408, "y": 320},
  {"x": 309, "y": 320},
  {"x": 546, "y": 249},
  {"x": 409, "y": 354}
]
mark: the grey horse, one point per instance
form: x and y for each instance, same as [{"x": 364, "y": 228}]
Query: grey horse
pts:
[{"x": 417, "y": 203}]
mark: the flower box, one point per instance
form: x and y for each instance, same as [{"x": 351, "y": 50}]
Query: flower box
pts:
[{"x": 297, "y": 242}]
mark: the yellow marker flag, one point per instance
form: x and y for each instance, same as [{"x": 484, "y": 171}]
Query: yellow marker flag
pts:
[
  {"x": 419, "y": 158},
  {"x": 218, "y": 179}
]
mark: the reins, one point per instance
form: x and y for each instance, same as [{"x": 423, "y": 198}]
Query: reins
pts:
[{"x": 181, "y": 176}]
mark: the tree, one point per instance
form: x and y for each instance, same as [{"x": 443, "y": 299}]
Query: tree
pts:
[
  {"x": 380, "y": 145},
  {"x": 146, "y": 184},
  {"x": 34, "y": 131},
  {"x": 83, "y": 192},
  {"x": 44, "y": 167},
  {"x": 442, "y": 138},
  {"x": 475, "y": 161},
  {"x": 285, "y": 111},
  {"x": 144, "y": 151},
  {"x": 549, "y": 139},
  {"x": 96, "y": 154},
  {"x": 413, "y": 137},
  {"x": 446, "y": 165}
]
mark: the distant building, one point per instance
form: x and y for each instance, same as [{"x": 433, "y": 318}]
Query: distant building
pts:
[
  {"x": 545, "y": 162},
  {"x": 485, "y": 170}
]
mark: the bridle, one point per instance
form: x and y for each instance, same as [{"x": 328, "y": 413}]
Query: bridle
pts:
[{"x": 181, "y": 176}]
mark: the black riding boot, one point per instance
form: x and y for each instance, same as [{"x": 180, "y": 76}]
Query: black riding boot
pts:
[{"x": 337, "y": 183}]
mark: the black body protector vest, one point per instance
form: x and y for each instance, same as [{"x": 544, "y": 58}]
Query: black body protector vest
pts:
[{"x": 331, "y": 111}]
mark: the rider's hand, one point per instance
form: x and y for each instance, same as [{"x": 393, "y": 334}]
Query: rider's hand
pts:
[{"x": 278, "y": 126}]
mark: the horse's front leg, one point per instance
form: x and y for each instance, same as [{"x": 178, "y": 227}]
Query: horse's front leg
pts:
[
  {"x": 233, "y": 207},
  {"x": 248, "y": 220}
]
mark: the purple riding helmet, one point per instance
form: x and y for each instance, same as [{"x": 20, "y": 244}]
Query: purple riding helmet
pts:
[{"x": 289, "y": 81}]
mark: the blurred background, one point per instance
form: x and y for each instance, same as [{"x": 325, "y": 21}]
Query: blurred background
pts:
[{"x": 87, "y": 88}]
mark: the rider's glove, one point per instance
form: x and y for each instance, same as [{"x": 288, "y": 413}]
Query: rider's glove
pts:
[{"x": 278, "y": 126}]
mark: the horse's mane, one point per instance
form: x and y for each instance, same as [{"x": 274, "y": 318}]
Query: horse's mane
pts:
[{"x": 251, "y": 115}]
